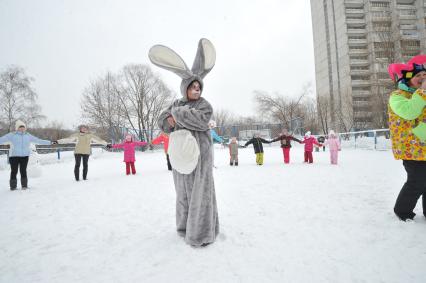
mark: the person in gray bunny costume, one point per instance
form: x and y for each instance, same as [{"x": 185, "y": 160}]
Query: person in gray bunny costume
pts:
[{"x": 196, "y": 209}]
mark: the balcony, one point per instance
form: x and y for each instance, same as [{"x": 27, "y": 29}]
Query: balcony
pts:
[
  {"x": 354, "y": 4},
  {"x": 355, "y": 23},
  {"x": 357, "y": 42},
  {"x": 359, "y": 72},
  {"x": 361, "y": 93},
  {"x": 361, "y": 31},
  {"x": 361, "y": 83},
  {"x": 354, "y": 12},
  {"x": 358, "y": 52},
  {"x": 409, "y": 34}
]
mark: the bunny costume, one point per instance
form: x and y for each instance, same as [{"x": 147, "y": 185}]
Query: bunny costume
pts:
[{"x": 196, "y": 209}]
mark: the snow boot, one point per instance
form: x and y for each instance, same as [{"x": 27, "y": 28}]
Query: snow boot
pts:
[
  {"x": 24, "y": 183},
  {"x": 77, "y": 175},
  {"x": 13, "y": 184},
  {"x": 236, "y": 163},
  {"x": 231, "y": 163}
]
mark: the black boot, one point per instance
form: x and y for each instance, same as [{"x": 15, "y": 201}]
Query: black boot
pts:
[
  {"x": 77, "y": 174},
  {"x": 231, "y": 163},
  {"x": 13, "y": 184},
  {"x": 236, "y": 163},
  {"x": 24, "y": 183}
]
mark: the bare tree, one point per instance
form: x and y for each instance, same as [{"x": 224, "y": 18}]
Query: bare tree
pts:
[
  {"x": 101, "y": 107},
  {"x": 283, "y": 109},
  {"x": 223, "y": 117},
  {"x": 143, "y": 97},
  {"x": 18, "y": 100}
]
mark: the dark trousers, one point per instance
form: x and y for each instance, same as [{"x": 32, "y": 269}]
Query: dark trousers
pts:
[
  {"x": 308, "y": 157},
  {"x": 18, "y": 162},
  {"x": 78, "y": 158},
  {"x": 169, "y": 166},
  {"x": 414, "y": 187}
]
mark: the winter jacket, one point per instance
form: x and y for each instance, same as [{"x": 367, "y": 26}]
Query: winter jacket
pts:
[
  {"x": 407, "y": 123},
  {"x": 20, "y": 143},
  {"x": 309, "y": 143},
  {"x": 163, "y": 138},
  {"x": 333, "y": 143},
  {"x": 286, "y": 140},
  {"x": 129, "y": 149},
  {"x": 83, "y": 142},
  {"x": 233, "y": 148},
  {"x": 215, "y": 136},
  {"x": 257, "y": 144}
]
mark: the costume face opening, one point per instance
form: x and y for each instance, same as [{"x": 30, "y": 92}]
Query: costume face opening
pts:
[
  {"x": 417, "y": 80},
  {"x": 194, "y": 91}
]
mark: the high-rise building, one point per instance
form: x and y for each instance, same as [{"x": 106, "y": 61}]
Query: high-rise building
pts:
[{"x": 354, "y": 42}]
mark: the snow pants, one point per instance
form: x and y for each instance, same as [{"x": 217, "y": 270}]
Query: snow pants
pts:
[
  {"x": 78, "y": 158},
  {"x": 259, "y": 158},
  {"x": 233, "y": 159},
  {"x": 333, "y": 156},
  {"x": 414, "y": 187},
  {"x": 286, "y": 153},
  {"x": 128, "y": 166},
  {"x": 308, "y": 157},
  {"x": 169, "y": 165},
  {"x": 18, "y": 162}
]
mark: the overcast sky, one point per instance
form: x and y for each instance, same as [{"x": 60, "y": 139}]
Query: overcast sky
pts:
[{"x": 260, "y": 45}]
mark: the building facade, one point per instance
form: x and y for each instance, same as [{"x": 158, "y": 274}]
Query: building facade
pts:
[{"x": 354, "y": 42}]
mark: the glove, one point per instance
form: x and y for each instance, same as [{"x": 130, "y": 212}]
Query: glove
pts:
[
  {"x": 54, "y": 142},
  {"x": 109, "y": 146}
]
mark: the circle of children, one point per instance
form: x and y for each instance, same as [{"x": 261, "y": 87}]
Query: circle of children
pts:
[{"x": 188, "y": 142}]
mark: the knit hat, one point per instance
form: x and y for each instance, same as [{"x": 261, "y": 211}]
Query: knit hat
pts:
[
  {"x": 308, "y": 134},
  {"x": 212, "y": 124},
  {"x": 332, "y": 134},
  {"x": 183, "y": 151},
  {"x": 19, "y": 124},
  {"x": 168, "y": 59}
]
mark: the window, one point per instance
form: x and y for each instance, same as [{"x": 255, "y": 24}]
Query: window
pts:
[
  {"x": 380, "y": 4},
  {"x": 360, "y": 77}
]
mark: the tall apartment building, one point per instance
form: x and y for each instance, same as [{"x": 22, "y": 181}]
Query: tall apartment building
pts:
[{"x": 354, "y": 42}]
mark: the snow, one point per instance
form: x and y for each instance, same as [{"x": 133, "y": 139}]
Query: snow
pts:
[{"x": 279, "y": 223}]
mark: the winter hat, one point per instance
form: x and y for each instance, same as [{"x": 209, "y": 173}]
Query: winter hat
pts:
[
  {"x": 83, "y": 126},
  {"x": 183, "y": 151},
  {"x": 332, "y": 134},
  {"x": 404, "y": 72},
  {"x": 168, "y": 59},
  {"x": 19, "y": 124},
  {"x": 212, "y": 124},
  {"x": 308, "y": 134}
]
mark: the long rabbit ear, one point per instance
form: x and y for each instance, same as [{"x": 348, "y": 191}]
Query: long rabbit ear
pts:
[
  {"x": 205, "y": 59},
  {"x": 166, "y": 58}
]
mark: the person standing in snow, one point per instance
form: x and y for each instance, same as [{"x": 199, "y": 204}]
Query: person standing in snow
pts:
[
  {"x": 20, "y": 142},
  {"x": 257, "y": 142},
  {"x": 285, "y": 138},
  {"x": 407, "y": 126},
  {"x": 190, "y": 144},
  {"x": 309, "y": 142},
  {"x": 83, "y": 139},
  {"x": 129, "y": 152},
  {"x": 333, "y": 146},
  {"x": 164, "y": 139},
  {"x": 233, "y": 152}
]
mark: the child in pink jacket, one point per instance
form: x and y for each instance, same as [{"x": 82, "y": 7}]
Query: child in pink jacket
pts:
[
  {"x": 309, "y": 142},
  {"x": 333, "y": 146},
  {"x": 129, "y": 152}
]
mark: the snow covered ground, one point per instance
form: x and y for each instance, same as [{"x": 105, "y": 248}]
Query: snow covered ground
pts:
[{"x": 279, "y": 223}]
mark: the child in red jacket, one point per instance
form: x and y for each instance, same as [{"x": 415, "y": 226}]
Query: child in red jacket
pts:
[
  {"x": 309, "y": 142},
  {"x": 129, "y": 152}
]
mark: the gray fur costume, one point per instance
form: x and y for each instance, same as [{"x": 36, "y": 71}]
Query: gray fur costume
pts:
[{"x": 196, "y": 209}]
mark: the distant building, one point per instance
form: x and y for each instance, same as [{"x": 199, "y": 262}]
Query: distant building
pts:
[{"x": 354, "y": 42}]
